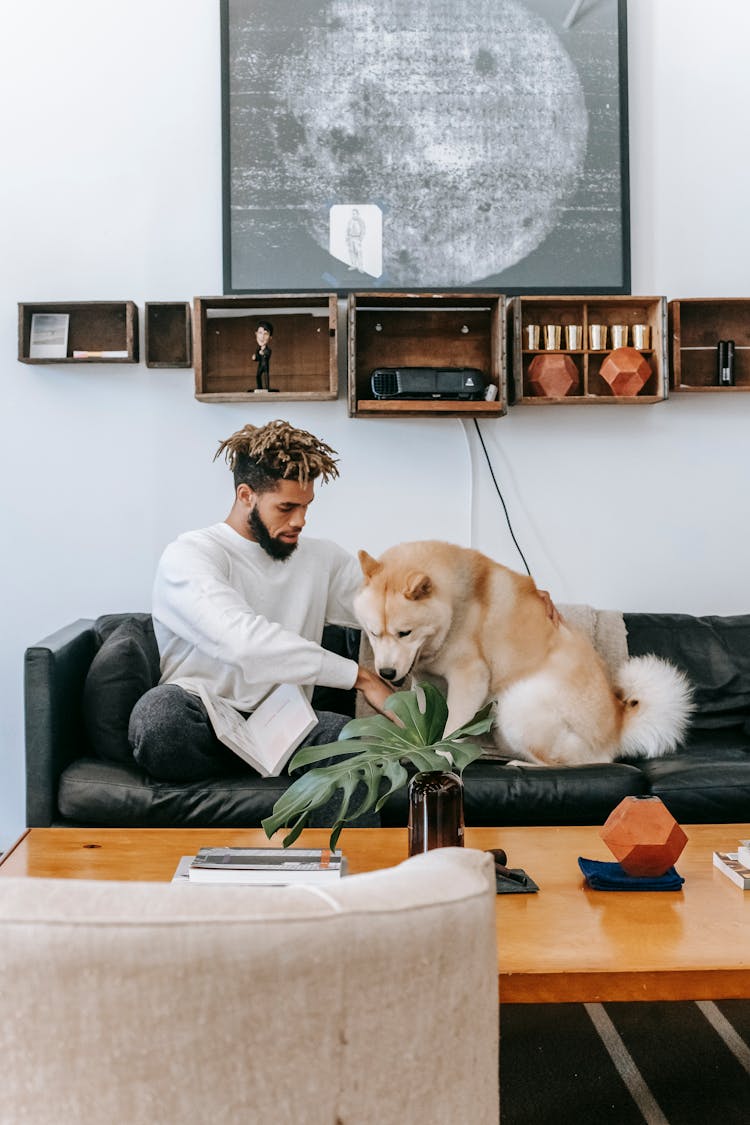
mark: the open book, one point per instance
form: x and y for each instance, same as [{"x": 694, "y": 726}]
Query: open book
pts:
[{"x": 268, "y": 737}]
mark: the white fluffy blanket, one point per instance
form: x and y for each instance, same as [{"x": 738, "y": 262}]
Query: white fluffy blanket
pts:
[{"x": 605, "y": 628}]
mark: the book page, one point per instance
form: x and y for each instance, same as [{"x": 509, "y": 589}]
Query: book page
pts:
[
  {"x": 278, "y": 726},
  {"x": 267, "y": 739},
  {"x": 230, "y": 727}
]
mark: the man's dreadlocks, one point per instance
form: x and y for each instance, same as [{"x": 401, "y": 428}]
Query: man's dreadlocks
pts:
[{"x": 260, "y": 456}]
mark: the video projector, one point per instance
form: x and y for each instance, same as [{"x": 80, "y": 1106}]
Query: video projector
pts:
[{"x": 427, "y": 382}]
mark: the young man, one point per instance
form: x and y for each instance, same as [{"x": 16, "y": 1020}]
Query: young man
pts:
[{"x": 240, "y": 607}]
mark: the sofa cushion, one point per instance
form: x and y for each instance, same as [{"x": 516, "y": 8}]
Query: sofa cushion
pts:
[
  {"x": 714, "y": 653},
  {"x": 106, "y": 624},
  {"x": 93, "y": 792},
  {"x": 498, "y": 794},
  {"x": 124, "y": 668}
]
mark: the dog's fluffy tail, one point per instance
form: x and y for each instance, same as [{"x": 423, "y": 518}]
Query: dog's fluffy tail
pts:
[{"x": 658, "y": 703}]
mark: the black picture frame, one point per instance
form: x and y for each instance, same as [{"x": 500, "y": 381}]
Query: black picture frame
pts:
[{"x": 282, "y": 90}]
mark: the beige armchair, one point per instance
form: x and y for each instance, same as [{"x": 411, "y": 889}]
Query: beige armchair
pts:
[{"x": 373, "y": 1001}]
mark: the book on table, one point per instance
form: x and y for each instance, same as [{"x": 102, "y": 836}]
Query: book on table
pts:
[
  {"x": 730, "y": 865},
  {"x": 267, "y": 866},
  {"x": 268, "y": 737}
]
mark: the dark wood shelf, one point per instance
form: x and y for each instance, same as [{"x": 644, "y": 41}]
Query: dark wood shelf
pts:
[
  {"x": 168, "y": 335},
  {"x": 586, "y": 310},
  {"x": 696, "y": 325},
  {"x": 440, "y": 329},
  {"x": 593, "y": 400},
  {"x": 93, "y": 326},
  {"x": 426, "y": 408},
  {"x": 303, "y": 363}
]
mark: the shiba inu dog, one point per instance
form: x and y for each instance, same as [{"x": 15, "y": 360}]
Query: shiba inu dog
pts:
[{"x": 436, "y": 608}]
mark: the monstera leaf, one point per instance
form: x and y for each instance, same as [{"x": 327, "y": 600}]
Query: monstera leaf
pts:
[{"x": 374, "y": 751}]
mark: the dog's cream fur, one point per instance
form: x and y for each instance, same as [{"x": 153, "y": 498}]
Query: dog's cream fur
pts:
[{"x": 436, "y": 608}]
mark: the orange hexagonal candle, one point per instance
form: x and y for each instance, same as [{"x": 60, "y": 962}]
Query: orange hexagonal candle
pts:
[
  {"x": 625, "y": 371},
  {"x": 643, "y": 836},
  {"x": 554, "y": 375}
]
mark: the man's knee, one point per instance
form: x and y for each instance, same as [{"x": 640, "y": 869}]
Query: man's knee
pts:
[
  {"x": 330, "y": 725},
  {"x": 171, "y": 736}
]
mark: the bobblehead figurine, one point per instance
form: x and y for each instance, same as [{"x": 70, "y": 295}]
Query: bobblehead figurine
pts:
[{"x": 262, "y": 354}]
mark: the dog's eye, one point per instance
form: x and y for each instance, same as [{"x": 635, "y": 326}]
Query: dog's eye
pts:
[{"x": 405, "y": 633}]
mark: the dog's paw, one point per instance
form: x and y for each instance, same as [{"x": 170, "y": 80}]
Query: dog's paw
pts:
[{"x": 525, "y": 764}]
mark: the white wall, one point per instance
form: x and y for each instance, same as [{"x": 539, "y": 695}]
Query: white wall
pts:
[{"x": 111, "y": 189}]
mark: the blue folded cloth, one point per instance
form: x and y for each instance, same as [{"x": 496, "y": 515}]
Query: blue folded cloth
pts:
[{"x": 611, "y": 877}]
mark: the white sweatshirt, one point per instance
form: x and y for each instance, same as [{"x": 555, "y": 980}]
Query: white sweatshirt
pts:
[{"x": 229, "y": 616}]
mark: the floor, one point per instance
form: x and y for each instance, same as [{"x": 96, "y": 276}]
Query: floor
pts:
[{"x": 664, "y": 1064}]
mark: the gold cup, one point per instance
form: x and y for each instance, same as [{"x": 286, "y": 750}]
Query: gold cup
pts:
[
  {"x": 552, "y": 336},
  {"x": 597, "y": 337},
  {"x": 619, "y": 333},
  {"x": 574, "y": 336},
  {"x": 531, "y": 336},
  {"x": 641, "y": 337}
]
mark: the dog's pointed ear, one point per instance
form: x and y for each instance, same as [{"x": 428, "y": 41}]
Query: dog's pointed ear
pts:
[
  {"x": 417, "y": 586},
  {"x": 370, "y": 566}
]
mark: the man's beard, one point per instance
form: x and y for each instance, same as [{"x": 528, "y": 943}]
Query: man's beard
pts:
[{"x": 262, "y": 536}]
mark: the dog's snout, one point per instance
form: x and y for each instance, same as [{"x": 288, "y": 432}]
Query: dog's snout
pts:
[{"x": 387, "y": 673}]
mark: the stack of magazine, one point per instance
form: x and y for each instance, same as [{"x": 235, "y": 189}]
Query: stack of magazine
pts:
[
  {"x": 267, "y": 866},
  {"x": 735, "y": 865}
]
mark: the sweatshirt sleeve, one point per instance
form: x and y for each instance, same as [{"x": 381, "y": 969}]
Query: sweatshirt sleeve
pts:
[
  {"x": 346, "y": 580},
  {"x": 194, "y": 600}
]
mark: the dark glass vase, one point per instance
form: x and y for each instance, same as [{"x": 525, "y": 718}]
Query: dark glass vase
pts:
[{"x": 436, "y": 811}]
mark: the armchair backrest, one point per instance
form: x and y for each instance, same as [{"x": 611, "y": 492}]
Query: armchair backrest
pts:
[{"x": 374, "y": 1000}]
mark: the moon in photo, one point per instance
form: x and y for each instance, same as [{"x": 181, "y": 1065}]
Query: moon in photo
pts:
[{"x": 463, "y": 120}]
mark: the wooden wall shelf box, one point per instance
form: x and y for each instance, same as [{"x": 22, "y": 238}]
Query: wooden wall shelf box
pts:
[
  {"x": 93, "y": 327},
  {"x": 168, "y": 335},
  {"x": 303, "y": 363},
  {"x": 442, "y": 329},
  {"x": 695, "y": 327},
  {"x": 586, "y": 311}
]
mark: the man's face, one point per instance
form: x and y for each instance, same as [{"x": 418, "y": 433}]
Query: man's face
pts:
[
  {"x": 277, "y": 518},
  {"x": 262, "y": 335}
]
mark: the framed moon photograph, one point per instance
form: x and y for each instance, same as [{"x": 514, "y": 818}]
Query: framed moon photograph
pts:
[{"x": 434, "y": 144}]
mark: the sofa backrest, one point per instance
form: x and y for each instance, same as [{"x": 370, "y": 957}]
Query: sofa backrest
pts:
[{"x": 714, "y": 653}]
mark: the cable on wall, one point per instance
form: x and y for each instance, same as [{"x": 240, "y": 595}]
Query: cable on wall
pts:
[{"x": 502, "y": 501}]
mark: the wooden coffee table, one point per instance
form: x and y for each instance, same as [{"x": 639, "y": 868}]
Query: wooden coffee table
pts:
[{"x": 565, "y": 944}]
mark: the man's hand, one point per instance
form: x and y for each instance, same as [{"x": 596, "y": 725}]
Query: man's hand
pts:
[
  {"x": 375, "y": 690},
  {"x": 549, "y": 607}
]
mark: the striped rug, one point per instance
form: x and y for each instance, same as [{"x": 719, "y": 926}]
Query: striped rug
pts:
[{"x": 682, "y": 1063}]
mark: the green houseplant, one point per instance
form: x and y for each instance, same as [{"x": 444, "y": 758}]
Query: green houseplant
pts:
[{"x": 375, "y": 751}]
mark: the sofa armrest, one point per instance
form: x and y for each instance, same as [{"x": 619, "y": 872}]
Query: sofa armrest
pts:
[{"x": 54, "y": 673}]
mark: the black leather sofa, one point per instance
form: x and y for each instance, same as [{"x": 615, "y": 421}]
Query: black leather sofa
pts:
[{"x": 70, "y": 783}]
